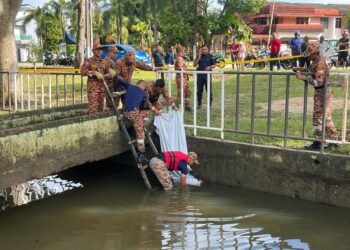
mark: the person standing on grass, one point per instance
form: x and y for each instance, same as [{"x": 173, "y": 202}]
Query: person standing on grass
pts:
[
  {"x": 318, "y": 79},
  {"x": 204, "y": 62},
  {"x": 304, "y": 61},
  {"x": 275, "y": 47},
  {"x": 183, "y": 79},
  {"x": 95, "y": 86},
  {"x": 234, "y": 52},
  {"x": 169, "y": 56},
  {"x": 295, "y": 46},
  {"x": 158, "y": 58},
  {"x": 324, "y": 47},
  {"x": 241, "y": 55},
  {"x": 343, "y": 49}
]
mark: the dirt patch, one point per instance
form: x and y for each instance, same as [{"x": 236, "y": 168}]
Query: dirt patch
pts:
[{"x": 296, "y": 105}]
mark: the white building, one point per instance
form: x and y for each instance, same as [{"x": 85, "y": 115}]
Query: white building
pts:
[{"x": 24, "y": 35}]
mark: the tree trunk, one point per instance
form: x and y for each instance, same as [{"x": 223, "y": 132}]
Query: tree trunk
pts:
[
  {"x": 120, "y": 27},
  {"x": 79, "y": 52},
  {"x": 8, "y": 55},
  {"x": 195, "y": 28},
  {"x": 155, "y": 25}
]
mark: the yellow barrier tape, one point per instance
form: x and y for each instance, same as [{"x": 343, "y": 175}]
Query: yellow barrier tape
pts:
[
  {"x": 261, "y": 60},
  {"x": 50, "y": 70},
  {"x": 76, "y": 70}
]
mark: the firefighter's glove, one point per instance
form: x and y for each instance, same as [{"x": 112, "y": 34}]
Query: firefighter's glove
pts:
[
  {"x": 97, "y": 74},
  {"x": 112, "y": 73}
]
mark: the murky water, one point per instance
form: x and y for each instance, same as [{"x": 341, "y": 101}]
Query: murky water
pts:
[{"x": 106, "y": 207}]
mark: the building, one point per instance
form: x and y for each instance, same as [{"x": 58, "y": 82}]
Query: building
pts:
[
  {"x": 313, "y": 20},
  {"x": 24, "y": 36}
]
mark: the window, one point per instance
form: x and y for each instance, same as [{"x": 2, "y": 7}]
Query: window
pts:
[
  {"x": 275, "y": 20},
  {"x": 338, "y": 23},
  {"x": 302, "y": 20},
  {"x": 324, "y": 21},
  {"x": 261, "y": 20}
]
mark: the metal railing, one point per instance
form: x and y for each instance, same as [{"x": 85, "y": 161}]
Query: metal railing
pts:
[
  {"x": 230, "y": 111},
  {"x": 237, "y": 110},
  {"x": 23, "y": 91}
]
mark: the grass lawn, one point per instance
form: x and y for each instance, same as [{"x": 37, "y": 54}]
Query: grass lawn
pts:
[
  {"x": 260, "y": 109},
  {"x": 65, "y": 88}
]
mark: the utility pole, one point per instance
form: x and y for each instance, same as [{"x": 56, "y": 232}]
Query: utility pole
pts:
[
  {"x": 89, "y": 38},
  {"x": 271, "y": 21}
]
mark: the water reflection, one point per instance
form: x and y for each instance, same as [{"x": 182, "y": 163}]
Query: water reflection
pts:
[
  {"x": 33, "y": 190},
  {"x": 188, "y": 227}
]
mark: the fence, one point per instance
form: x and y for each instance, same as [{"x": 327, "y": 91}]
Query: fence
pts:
[
  {"x": 23, "y": 91},
  {"x": 255, "y": 107},
  {"x": 247, "y": 106}
]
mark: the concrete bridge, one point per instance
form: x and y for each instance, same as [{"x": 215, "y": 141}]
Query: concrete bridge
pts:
[{"x": 38, "y": 143}]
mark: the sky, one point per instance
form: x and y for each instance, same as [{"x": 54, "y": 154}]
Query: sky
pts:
[{"x": 40, "y": 2}]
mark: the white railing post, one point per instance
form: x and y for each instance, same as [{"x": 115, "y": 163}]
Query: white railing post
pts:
[
  {"x": 50, "y": 97},
  {"x": 28, "y": 91},
  {"x": 15, "y": 90},
  {"x": 182, "y": 95},
  {"x": 22, "y": 98},
  {"x": 222, "y": 106},
  {"x": 195, "y": 104},
  {"x": 42, "y": 91},
  {"x": 35, "y": 94},
  {"x": 345, "y": 107},
  {"x": 169, "y": 86},
  {"x": 208, "y": 100}
]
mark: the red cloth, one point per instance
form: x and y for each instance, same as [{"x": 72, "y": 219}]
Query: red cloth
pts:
[
  {"x": 172, "y": 159},
  {"x": 234, "y": 46},
  {"x": 275, "y": 45}
]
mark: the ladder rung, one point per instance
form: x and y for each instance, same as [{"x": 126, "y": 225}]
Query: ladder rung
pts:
[
  {"x": 118, "y": 93},
  {"x": 132, "y": 141},
  {"x": 144, "y": 166}
]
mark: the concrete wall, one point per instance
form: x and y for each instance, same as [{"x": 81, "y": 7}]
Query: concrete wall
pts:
[
  {"x": 41, "y": 149},
  {"x": 299, "y": 174}
]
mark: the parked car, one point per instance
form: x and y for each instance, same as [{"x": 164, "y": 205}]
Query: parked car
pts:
[{"x": 140, "y": 56}]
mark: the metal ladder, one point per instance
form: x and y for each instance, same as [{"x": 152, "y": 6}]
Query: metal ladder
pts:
[{"x": 131, "y": 142}]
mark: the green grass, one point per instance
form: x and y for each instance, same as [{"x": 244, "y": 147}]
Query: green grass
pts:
[{"x": 295, "y": 120}]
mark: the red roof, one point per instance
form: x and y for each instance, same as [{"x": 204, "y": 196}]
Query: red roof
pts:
[
  {"x": 264, "y": 29},
  {"x": 313, "y": 26},
  {"x": 283, "y": 9}
]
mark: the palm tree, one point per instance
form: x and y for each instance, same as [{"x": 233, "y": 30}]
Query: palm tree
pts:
[
  {"x": 38, "y": 15},
  {"x": 59, "y": 8}
]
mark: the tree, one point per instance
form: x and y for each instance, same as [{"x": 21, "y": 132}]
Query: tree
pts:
[
  {"x": 79, "y": 52},
  {"x": 347, "y": 22},
  {"x": 8, "y": 57},
  {"x": 233, "y": 13},
  {"x": 141, "y": 29},
  {"x": 38, "y": 15}
]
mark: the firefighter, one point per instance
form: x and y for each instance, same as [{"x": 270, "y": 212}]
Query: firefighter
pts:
[
  {"x": 126, "y": 66},
  {"x": 109, "y": 68},
  {"x": 95, "y": 86},
  {"x": 154, "y": 90},
  {"x": 318, "y": 78},
  {"x": 172, "y": 161},
  {"x": 136, "y": 112},
  {"x": 180, "y": 64}
]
